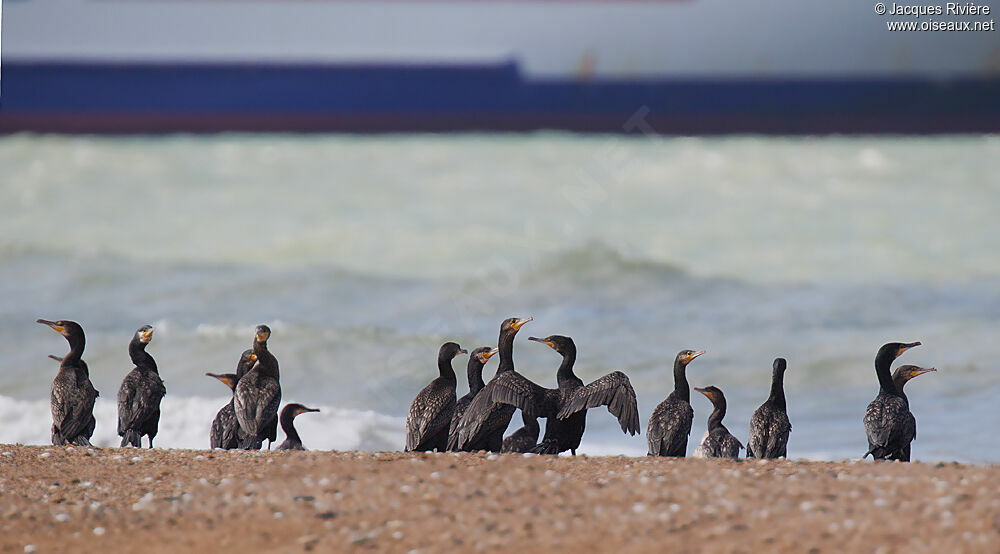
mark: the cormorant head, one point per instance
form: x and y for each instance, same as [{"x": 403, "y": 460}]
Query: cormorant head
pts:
[
  {"x": 449, "y": 350},
  {"x": 904, "y": 373},
  {"x": 712, "y": 393},
  {"x": 144, "y": 334},
  {"x": 483, "y": 354},
  {"x": 684, "y": 357},
  {"x": 247, "y": 358},
  {"x": 262, "y": 333},
  {"x": 559, "y": 343},
  {"x": 513, "y": 324},
  {"x": 64, "y": 327},
  {"x": 296, "y": 409},
  {"x": 228, "y": 379},
  {"x": 780, "y": 364},
  {"x": 893, "y": 350}
]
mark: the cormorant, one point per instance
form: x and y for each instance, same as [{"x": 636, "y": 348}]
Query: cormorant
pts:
[
  {"x": 718, "y": 442},
  {"x": 565, "y": 408},
  {"x": 888, "y": 422},
  {"x": 72, "y": 396},
  {"x": 140, "y": 394},
  {"x": 488, "y": 433},
  {"x": 431, "y": 411},
  {"x": 524, "y": 439},
  {"x": 225, "y": 428},
  {"x": 769, "y": 426},
  {"x": 258, "y": 394},
  {"x": 477, "y": 359},
  {"x": 903, "y": 374},
  {"x": 292, "y": 440},
  {"x": 670, "y": 424}
]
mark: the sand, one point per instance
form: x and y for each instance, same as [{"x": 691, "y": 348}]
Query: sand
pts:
[{"x": 56, "y": 499}]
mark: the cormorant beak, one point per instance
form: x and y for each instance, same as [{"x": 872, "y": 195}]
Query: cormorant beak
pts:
[
  {"x": 56, "y": 358},
  {"x": 489, "y": 354},
  {"x": 520, "y": 323},
  {"x": 146, "y": 336},
  {"x": 548, "y": 343},
  {"x": 223, "y": 378},
  {"x": 461, "y": 351},
  {"x": 706, "y": 392},
  {"x": 55, "y": 326},
  {"x": 695, "y": 355},
  {"x": 921, "y": 371},
  {"x": 304, "y": 410},
  {"x": 262, "y": 336},
  {"x": 906, "y": 347}
]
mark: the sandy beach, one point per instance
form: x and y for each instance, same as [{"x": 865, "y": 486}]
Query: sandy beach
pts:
[{"x": 96, "y": 499}]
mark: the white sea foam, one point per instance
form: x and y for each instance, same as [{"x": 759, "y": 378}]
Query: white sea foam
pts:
[{"x": 185, "y": 423}]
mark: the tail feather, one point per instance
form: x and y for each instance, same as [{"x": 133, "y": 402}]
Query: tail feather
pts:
[
  {"x": 131, "y": 438},
  {"x": 252, "y": 442}
]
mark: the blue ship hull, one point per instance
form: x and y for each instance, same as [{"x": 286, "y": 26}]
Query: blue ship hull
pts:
[{"x": 192, "y": 97}]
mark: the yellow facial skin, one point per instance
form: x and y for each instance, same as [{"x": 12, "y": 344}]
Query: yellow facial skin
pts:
[{"x": 520, "y": 323}]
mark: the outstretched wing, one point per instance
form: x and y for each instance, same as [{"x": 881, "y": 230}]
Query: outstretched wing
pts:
[
  {"x": 509, "y": 388},
  {"x": 614, "y": 391}
]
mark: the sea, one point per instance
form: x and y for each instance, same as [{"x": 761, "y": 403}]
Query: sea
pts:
[{"x": 365, "y": 253}]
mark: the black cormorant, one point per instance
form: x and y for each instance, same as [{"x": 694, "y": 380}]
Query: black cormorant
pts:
[
  {"x": 477, "y": 359},
  {"x": 258, "y": 395},
  {"x": 288, "y": 413},
  {"x": 225, "y": 428},
  {"x": 431, "y": 411},
  {"x": 718, "y": 442},
  {"x": 72, "y": 396},
  {"x": 888, "y": 422},
  {"x": 565, "y": 408},
  {"x": 487, "y": 432},
  {"x": 140, "y": 394},
  {"x": 769, "y": 426},
  {"x": 670, "y": 424},
  {"x": 524, "y": 439},
  {"x": 903, "y": 374}
]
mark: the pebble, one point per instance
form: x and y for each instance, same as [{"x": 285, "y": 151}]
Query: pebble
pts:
[
  {"x": 144, "y": 502},
  {"x": 8, "y": 454},
  {"x": 98, "y": 531},
  {"x": 638, "y": 507},
  {"x": 44, "y": 455},
  {"x": 29, "y": 548},
  {"x": 279, "y": 515},
  {"x": 62, "y": 516},
  {"x": 493, "y": 457}
]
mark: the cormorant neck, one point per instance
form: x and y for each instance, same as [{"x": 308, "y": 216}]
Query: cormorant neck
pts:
[
  {"x": 475, "y": 372},
  {"x": 715, "y": 420},
  {"x": 76, "y": 344},
  {"x": 141, "y": 358},
  {"x": 265, "y": 359},
  {"x": 777, "y": 398},
  {"x": 506, "y": 346},
  {"x": 882, "y": 366},
  {"x": 681, "y": 387},
  {"x": 289, "y": 428},
  {"x": 444, "y": 366},
  {"x": 565, "y": 372}
]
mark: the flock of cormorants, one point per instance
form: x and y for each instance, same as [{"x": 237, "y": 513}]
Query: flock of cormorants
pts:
[
  {"x": 249, "y": 418},
  {"x": 478, "y": 420}
]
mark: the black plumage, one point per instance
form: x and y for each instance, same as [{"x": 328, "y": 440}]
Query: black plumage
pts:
[
  {"x": 524, "y": 439},
  {"x": 72, "y": 395},
  {"x": 484, "y": 430},
  {"x": 258, "y": 395},
  {"x": 903, "y": 374},
  {"x": 718, "y": 442},
  {"x": 288, "y": 413},
  {"x": 477, "y": 359},
  {"x": 225, "y": 427},
  {"x": 670, "y": 424},
  {"x": 889, "y": 424},
  {"x": 565, "y": 408},
  {"x": 140, "y": 393},
  {"x": 769, "y": 425},
  {"x": 431, "y": 411}
]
